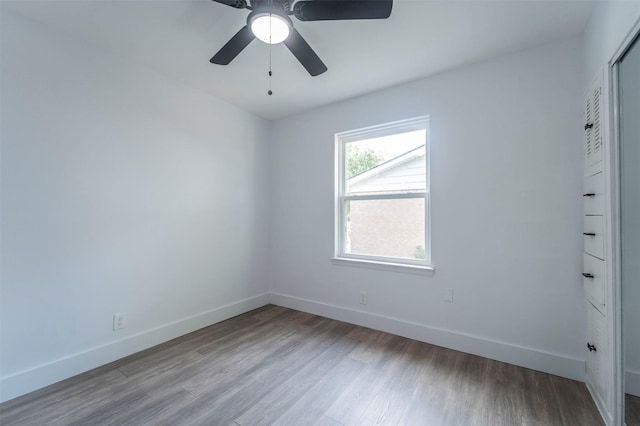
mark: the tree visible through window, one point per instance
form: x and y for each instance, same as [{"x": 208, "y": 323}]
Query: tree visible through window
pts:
[
  {"x": 360, "y": 160},
  {"x": 382, "y": 200}
]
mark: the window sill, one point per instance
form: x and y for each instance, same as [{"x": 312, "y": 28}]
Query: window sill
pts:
[{"x": 385, "y": 266}]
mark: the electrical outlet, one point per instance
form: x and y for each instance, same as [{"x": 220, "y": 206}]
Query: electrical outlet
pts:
[
  {"x": 448, "y": 295},
  {"x": 364, "y": 298},
  {"x": 119, "y": 321}
]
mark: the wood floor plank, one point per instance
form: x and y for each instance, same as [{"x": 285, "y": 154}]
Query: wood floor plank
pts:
[
  {"x": 310, "y": 407},
  {"x": 101, "y": 411},
  {"x": 191, "y": 340},
  {"x": 238, "y": 362},
  {"x": 356, "y": 398},
  {"x": 326, "y": 421},
  {"x": 223, "y": 404},
  {"x": 464, "y": 406},
  {"x": 247, "y": 335},
  {"x": 427, "y": 406},
  {"x": 502, "y": 403},
  {"x": 351, "y": 404},
  {"x": 279, "y": 366},
  {"x": 311, "y": 364},
  {"x": 371, "y": 349},
  {"x": 282, "y": 398},
  {"x": 574, "y": 402},
  {"x": 540, "y": 404},
  {"x": 526, "y": 421},
  {"x": 632, "y": 410},
  {"x": 391, "y": 401},
  {"x": 219, "y": 366},
  {"x": 59, "y": 401},
  {"x": 97, "y": 403},
  {"x": 150, "y": 411},
  {"x": 445, "y": 368},
  {"x": 268, "y": 312},
  {"x": 167, "y": 361}
]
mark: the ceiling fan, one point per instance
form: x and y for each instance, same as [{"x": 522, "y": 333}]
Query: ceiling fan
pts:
[{"x": 269, "y": 21}]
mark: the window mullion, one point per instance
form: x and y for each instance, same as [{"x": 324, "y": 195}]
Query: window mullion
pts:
[{"x": 385, "y": 196}]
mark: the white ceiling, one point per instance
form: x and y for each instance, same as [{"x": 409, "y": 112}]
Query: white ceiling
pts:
[{"x": 421, "y": 38}]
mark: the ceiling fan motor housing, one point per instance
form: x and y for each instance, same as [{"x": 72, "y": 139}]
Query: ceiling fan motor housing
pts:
[
  {"x": 271, "y": 27},
  {"x": 256, "y": 13},
  {"x": 271, "y": 32},
  {"x": 271, "y": 5}
]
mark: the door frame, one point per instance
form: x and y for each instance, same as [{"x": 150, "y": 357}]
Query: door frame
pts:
[{"x": 614, "y": 102}]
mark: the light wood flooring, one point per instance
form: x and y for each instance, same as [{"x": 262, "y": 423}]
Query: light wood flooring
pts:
[{"x": 279, "y": 366}]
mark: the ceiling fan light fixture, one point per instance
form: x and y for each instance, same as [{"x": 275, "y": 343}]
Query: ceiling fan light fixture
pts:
[{"x": 270, "y": 28}]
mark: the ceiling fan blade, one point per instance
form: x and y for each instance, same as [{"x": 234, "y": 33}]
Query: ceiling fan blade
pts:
[
  {"x": 238, "y": 4},
  {"x": 330, "y": 10},
  {"x": 233, "y": 47},
  {"x": 304, "y": 53}
]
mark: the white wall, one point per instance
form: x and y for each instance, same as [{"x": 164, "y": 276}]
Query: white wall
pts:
[
  {"x": 122, "y": 191},
  {"x": 609, "y": 25},
  {"x": 506, "y": 179}
]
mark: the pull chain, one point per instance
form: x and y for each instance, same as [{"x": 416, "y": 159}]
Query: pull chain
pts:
[{"x": 269, "y": 92}]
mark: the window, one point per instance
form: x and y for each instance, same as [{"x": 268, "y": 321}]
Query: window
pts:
[{"x": 382, "y": 196}]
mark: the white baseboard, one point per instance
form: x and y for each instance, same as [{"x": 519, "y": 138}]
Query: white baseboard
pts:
[
  {"x": 632, "y": 382},
  {"x": 534, "y": 359},
  {"x": 38, "y": 377}
]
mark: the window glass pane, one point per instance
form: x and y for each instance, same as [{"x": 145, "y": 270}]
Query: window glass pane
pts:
[
  {"x": 390, "y": 228},
  {"x": 388, "y": 164}
]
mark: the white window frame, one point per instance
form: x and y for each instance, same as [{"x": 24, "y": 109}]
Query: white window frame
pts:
[{"x": 415, "y": 266}]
